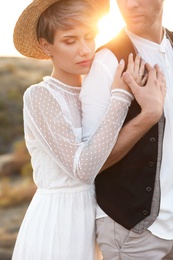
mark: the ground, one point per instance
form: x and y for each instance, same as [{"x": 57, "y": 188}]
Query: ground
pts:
[{"x": 11, "y": 219}]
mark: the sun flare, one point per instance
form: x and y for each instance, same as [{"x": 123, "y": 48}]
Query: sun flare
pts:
[
  {"x": 113, "y": 22},
  {"x": 109, "y": 25}
]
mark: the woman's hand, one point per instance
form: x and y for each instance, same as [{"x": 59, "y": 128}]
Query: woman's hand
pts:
[{"x": 135, "y": 67}]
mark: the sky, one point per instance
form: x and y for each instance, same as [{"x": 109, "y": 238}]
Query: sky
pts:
[{"x": 11, "y": 9}]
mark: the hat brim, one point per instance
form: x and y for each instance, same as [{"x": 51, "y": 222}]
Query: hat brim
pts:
[{"x": 25, "y": 37}]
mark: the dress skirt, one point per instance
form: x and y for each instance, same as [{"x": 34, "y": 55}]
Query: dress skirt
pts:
[{"x": 59, "y": 225}]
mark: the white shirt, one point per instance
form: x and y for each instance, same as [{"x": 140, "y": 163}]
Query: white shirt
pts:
[{"x": 96, "y": 98}]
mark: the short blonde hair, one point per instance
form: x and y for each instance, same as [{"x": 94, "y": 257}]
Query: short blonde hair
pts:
[{"x": 65, "y": 14}]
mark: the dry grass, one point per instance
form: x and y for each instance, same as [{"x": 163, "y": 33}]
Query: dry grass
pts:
[{"x": 16, "y": 192}]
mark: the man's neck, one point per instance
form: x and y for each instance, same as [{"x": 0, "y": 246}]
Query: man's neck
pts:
[{"x": 151, "y": 35}]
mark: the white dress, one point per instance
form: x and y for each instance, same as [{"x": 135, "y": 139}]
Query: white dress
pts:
[{"x": 60, "y": 221}]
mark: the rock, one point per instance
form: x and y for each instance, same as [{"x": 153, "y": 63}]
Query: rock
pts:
[
  {"x": 11, "y": 219},
  {"x": 5, "y": 255},
  {"x": 7, "y": 164}
]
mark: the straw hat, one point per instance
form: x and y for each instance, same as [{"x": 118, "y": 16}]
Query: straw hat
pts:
[{"x": 25, "y": 38}]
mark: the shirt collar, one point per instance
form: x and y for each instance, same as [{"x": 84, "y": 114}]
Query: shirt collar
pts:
[{"x": 137, "y": 40}]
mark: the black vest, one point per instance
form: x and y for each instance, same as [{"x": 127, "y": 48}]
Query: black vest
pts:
[{"x": 125, "y": 190}]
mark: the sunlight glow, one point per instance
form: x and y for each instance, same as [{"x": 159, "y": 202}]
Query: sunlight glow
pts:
[
  {"x": 113, "y": 22},
  {"x": 110, "y": 24}
]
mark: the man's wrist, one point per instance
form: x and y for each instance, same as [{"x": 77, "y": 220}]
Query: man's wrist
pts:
[{"x": 146, "y": 119}]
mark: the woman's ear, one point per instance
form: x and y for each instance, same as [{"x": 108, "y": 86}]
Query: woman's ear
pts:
[{"x": 45, "y": 46}]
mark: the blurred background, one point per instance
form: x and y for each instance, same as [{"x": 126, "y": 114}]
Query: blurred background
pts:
[{"x": 16, "y": 74}]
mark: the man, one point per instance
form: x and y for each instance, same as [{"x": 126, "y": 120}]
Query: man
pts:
[{"x": 136, "y": 192}]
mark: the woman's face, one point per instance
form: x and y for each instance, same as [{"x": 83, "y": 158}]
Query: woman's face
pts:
[{"x": 72, "y": 52}]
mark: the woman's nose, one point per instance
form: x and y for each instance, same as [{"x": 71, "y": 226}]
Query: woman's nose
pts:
[{"x": 84, "y": 49}]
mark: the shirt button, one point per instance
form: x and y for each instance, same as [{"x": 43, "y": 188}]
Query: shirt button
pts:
[
  {"x": 151, "y": 164},
  {"x": 145, "y": 212},
  {"x": 152, "y": 139},
  {"x": 148, "y": 189}
]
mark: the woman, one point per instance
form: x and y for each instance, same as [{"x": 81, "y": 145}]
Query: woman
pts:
[{"x": 60, "y": 221}]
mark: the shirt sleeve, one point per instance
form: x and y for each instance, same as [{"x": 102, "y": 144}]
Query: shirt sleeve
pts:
[
  {"x": 46, "y": 119},
  {"x": 96, "y": 90}
]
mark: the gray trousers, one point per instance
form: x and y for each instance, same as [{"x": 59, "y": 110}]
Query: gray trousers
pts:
[{"x": 118, "y": 243}]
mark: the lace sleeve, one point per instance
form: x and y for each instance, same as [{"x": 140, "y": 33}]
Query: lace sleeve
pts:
[{"x": 53, "y": 129}]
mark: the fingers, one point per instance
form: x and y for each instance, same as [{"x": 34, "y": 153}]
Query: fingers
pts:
[
  {"x": 144, "y": 79},
  {"x": 151, "y": 74},
  {"x": 118, "y": 81},
  {"x": 159, "y": 74},
  {"x": 139, "y": 66},
  {"x": 156, "y": 81},
  {"x": 151, "y": 96},
  {"x": 130, "y": 81},
  {"x": 149, "y": 67},
  {"x": 130, "y": 65},
  {"x": 140, "y": 71},
  {"x": 161, "y": 79},
  {"x": 136, "y": 67},
  {"x": 120, "y": 69},
  {"x": 156, "y": 74},
  {"x": 118, "y": 75}
]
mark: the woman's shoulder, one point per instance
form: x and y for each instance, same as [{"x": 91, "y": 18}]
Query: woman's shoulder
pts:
[
  {"x": 104, "y": 62},
  {"x": 35, "y": 88},
  {"x": 105, "y": 55}
]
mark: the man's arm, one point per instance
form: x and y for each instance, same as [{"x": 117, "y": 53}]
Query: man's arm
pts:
[
  {"x": 129, "y": 135},
  {"x": 151, "y": 99}
]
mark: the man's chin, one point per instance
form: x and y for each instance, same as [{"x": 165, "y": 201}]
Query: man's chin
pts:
[{"x": 135, "y": 28}]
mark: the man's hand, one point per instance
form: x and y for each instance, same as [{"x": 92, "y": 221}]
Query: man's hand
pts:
[
  {"x": 151, "y": 96},
  {"x": 151, "y": 99}
]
